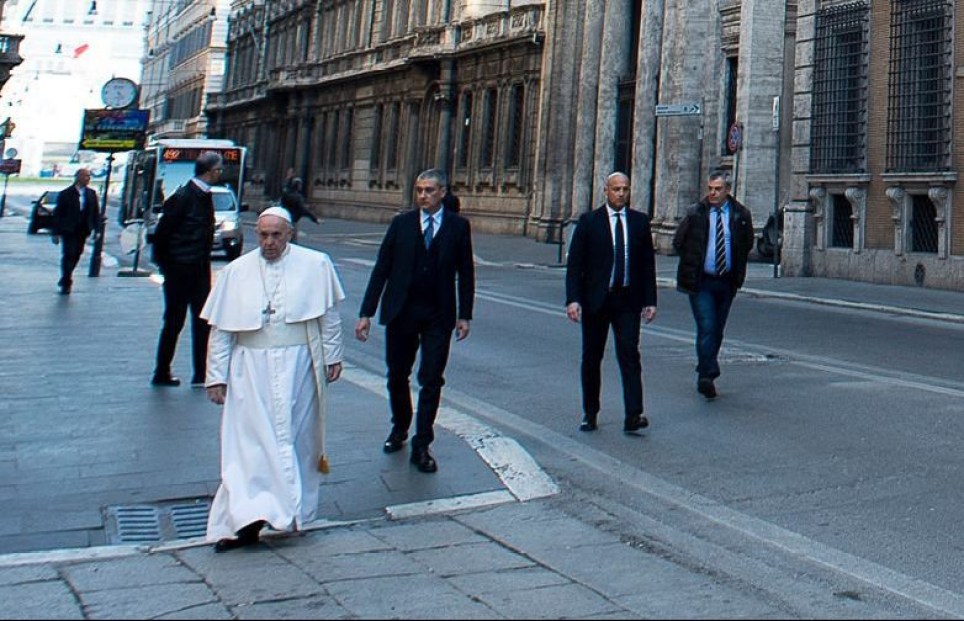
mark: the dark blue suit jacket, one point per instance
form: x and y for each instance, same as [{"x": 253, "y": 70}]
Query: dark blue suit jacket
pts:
[
  {"x": 391, "y": 278},
  {"x": 68, "y": 219},
  {"x": 589, "y": 267}
]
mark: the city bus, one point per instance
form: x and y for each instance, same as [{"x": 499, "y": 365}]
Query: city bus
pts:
[
  {"x": 158, "y": 170},
  {"x": 166, "y": 164}
]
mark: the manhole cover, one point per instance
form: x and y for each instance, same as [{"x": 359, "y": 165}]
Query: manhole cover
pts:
[{"x": 151, "y": 523}]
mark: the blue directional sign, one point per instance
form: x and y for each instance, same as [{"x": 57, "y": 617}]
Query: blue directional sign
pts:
[{"x": 681, "y": 109}]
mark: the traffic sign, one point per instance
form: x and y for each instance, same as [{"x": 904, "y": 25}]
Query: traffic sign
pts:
[
  {"x": 734, "y": 138},
  {"x": 681, "y": 109},
  {"x": 10, "y": 167}
]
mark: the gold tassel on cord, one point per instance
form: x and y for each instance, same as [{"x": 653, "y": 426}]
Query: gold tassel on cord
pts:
[{"x": 323, "y": 466}]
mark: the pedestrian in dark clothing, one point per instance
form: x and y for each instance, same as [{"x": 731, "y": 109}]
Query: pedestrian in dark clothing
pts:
[
  {"x": 451, "y": 203},
  {"x": 182, "y": 252},
  {"x": 75, "y": 217},
  {"x": 424, "y": 252},
  {"x": 611, "y": 285},
  {"x": 713, "y": 243},
  {"x": 294, "y": 201}
]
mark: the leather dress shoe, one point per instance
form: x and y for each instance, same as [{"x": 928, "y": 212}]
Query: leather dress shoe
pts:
[
  {"x": 165, "y": 380},
  {"x": 705, "y": 387},
  {"x": 424, "y": 461},
  {"x": 588, "y": 423},
  {"x": 247, "y": 536},
  {"x": 635, "y": 423},
  {"x": 394, "y": 443},
  {"x": 197, "y": 383}
]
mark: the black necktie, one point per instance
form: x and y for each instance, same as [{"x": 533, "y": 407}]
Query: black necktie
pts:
[
  {"x": 720, "y": 243},
  {"x": 619, "y": 256}
]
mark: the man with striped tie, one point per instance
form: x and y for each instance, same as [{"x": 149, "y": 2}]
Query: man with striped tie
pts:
[{"x": 713, "y": 243}]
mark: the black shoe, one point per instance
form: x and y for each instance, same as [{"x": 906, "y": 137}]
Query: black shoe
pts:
[
  {"x": 588, "y": 423},
  {"x": 248, "y": 536},
  {"x": 223, "y": 545},
  {"x": 65, "y": 290},
  {"x": 635, "y": 423},
  {"x": 165, "y": 380},
  {"x": 705, "y": 387},
  {"x": 424, "y": 461},
  {"x": 197, "y": 383},
  {"x": 394, "y": 443}
]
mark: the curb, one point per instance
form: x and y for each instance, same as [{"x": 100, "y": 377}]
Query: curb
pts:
[{"x": 864, "y": 306}]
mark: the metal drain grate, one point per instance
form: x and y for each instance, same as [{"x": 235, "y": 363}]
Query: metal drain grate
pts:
[{"x": 151, "y": 523}]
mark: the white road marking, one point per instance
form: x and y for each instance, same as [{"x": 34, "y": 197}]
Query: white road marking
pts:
[{"x": 514, "y": 466}]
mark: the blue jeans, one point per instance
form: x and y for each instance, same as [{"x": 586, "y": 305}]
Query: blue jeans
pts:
[{"x": 711, "y": 306}]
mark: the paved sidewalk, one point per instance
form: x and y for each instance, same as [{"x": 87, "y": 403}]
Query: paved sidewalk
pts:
[{"x": 469, "y": 542}]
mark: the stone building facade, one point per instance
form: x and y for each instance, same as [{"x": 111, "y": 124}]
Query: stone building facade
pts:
[
  {"x": 877, "y": 141},
  {"x": 527, "y": 104},
  {"x": 183, "y": 64},
  {"x": 358, "y": 97}
]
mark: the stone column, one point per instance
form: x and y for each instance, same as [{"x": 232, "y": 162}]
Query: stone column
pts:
[
  {"x": 762, "y": 32},
  {"x": 588, "y": 86},
  {"x": 553, "y": 174},
  {"x": 647, "y": 93},
  {"x": 689, "y": 72},
  {"x": 613, "y": 67},
  {"x": 443, "y": 155}
]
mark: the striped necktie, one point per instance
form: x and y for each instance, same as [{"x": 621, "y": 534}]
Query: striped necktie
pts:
[{"x": 720, "y": 243}]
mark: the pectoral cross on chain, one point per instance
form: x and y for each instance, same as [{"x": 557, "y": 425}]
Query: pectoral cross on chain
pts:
[{"x": 268, "y": 311}]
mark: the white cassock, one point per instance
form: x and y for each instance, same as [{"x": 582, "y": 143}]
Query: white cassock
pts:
[{"x": 274, "y": 329}]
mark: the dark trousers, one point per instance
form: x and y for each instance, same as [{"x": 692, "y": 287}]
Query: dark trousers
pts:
[
  {"x": 711, "y": 307},
  {"x": 616, "y": 313},
  {"x": 71, "y": 247},
  {"x": 416, "y": 328},
  {"x": 185, "y": 286}
]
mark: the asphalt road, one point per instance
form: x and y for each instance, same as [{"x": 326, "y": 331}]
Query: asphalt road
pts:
[{"x": 833, "y": 450}]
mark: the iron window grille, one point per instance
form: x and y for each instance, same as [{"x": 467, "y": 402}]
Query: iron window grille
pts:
[
  {"x": 465, "y": 130},
  {"x": 391, "y": 150},
  {"x": 842, "y": 233},
  {"x": 346, "y": 139},
  {"x": 840, "y": 89},
  {"x": 334, "y": 121},
  {"x": 517, "y": 98},
  {"x": 919, "y": 110},
  {"x": 487, "y": 159},
  {"x": 623, "y": 146},
  {"x": 923, "y": 224},
  {"x": 376, "y": 154}
]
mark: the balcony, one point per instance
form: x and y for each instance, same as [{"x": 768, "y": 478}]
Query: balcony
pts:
[{"x": 9, "y": 55}]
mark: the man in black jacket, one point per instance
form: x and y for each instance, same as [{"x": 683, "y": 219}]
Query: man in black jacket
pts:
[
  {"x": 182, "y": 251},
  {"x": 713, "y": 243},
  {"x": 293, "y": 200},
  {"x": 75, "y": 217},
  {"x": 611, "y": 284},
  {"x": 424, "y": 252}
]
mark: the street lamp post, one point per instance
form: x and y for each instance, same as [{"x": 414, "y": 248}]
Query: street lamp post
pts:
[{"x": 95, "y": 256}]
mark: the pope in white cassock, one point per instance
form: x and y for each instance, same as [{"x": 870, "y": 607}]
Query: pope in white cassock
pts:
[{"x": 275, "y": 344}]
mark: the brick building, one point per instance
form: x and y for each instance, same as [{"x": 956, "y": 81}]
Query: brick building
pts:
[{"x": 877, "y": 142}]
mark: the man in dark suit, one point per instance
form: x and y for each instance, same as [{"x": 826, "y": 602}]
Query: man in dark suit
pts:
[
  {"x": 611, "y": 283},
  {"x": 424, "y": 252},
  {"x": 182, "y": 251},
  {"x": 76, "y": 216}
]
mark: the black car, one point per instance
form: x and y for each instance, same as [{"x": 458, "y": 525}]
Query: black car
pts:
[{"x": 42, "y": 213}]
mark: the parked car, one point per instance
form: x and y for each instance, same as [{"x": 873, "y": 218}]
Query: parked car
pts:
[
  {"x": 228, "y": 234},
  {"x": 42, "y": 213}
]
